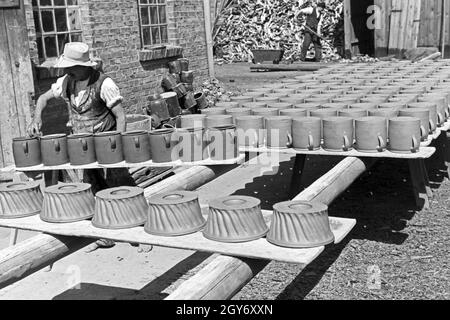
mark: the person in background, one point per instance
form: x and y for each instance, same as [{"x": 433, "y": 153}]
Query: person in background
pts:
[
  {"x": 95, "y": 105},
  {"x": 314, "y": 21}
]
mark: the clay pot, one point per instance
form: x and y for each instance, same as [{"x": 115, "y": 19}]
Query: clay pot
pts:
[
  {"x": 223, "y": 144},
  {"x": 136, "y": 146},
  {"x": 163, "y": 145},
  {"x": 371, "y": 134},
  {"x": 353, "y": 113},
  {"x": 324, "y": 113},
  {"x": 215, "y": 121},
  {"x": 306, "y": 133},
  {"x": 279, "y": 132},
  {"x": 168, "y": 82},
  {"x": 405, "y": 99},
  {"x": 404, "y": 135},
  {"x": 201, "y": 100},
  {"x": 321, "y": 100},
  {"x": 189, "y": 86},
  {"x": 441, "y": 105},
  {"x": 280, "y": 105},
  {"x": 20, "y": 200},
  {"x": 173, "y": 214},
  {"x": 138, "y": 122},
  {"x": 172, "y": 103},
  {"x": 180, "y": 89},
  {"x": 227, "y": 105},
  {"x": 432, "y": 108},
  {"x": 235, "y": 219},
  {"x": 423, "y": 115},
  {"x": 108, "y": 147},
  {"x": 294, "y": 113},
  {"x": 81, "y": 148},
  {"x": 27, "y": 152},
  {"x": 184, "y": 64},
  {"x": 68, "y": 202},
  {"x": 254, "y": 95},
  {"x": 267, "y": 100},
  {"x": 175, "y": 66},
  {"x": 189, "y": 101},
  {"x": 393, "y": 105},
  {"x": 120, "y": 208},
  {"x": 239, "y": 112},
  {"x": 192, "y": 144},
  {"x": 187, "y": 77},
  {"x": 241, "y": 99},
  {"x": 193, "y": 121},
  {"x": 177, "y": 77},
  {"x": 250, "y": 131},
  {"x": 254, "y": 105},
  {"x": 54, "y": 150},
  {"x": 338, "y": 134},
  {"x": 365, "y": 106},
  {"x": 214, "y": 111},
  {"x": 309, "y": 107},
  {"x": 337, "y": 106},
  {"x": 158, "y": 110},
  {"x": 277, "y": 96},
  {"x": 346, "y": 100},
  {"x": 375, "y": 99},
  {"x": 299, "y": 224},
  {"x": 266, "y": 112}
]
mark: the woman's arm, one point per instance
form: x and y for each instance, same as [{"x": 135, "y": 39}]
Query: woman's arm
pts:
[
  {"x": 119, "y": 113},
  {"x": 41, "y": 104}
]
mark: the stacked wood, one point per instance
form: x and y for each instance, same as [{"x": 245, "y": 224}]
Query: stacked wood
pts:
[{"x": 244, "y": 25}]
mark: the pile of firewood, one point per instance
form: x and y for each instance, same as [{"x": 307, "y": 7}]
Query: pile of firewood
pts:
[{"x": 243, "y": 25}]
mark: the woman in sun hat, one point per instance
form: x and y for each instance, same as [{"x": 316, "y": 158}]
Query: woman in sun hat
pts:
[
  {"x": 95, "y": 105},
  {"x": 93, "y": 98}
]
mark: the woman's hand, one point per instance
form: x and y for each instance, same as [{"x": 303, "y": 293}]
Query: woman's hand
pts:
[{"x": 35, "y": 127}]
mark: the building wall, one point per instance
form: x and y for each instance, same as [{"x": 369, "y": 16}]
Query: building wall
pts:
[{"x": 112, "y": 30}]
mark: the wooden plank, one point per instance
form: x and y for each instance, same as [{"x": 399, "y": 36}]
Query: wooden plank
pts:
[
  {"x": 291, "y": 67},
  {"x": 382, "y": 32},
  {"x": 20, "y": 65},
  {"x": 348, "y": 28},
  {"x": 9, "y": 4},
  {"x": 150, "y": 164},
  {"x": 8, "y": 129},
  {"x": 395, "y": 27},
  {"x": 259, "y": 249},
  {"x": 424, "y": 153},
  {"x": 416, "y": 24}
]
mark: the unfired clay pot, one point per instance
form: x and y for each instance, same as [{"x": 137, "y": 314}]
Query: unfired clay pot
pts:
[
  {"x": 27, "y": 152},
  {"x": 54, "y": 150},
  {"x": 423, "y": 115},
  {"x": 223, "y": 144},
  {"x": 404, "y": 135},
  {"x": 279, "y": 132},
  {"x": 306, "y": 133},
  {"x": 371, "y": 134},
  {"x": 432, "y": 108},
  {"x": 193, "y": 121},
  {"x": 192, "y": 144},
  {"x": 136, "y": 146},
  {"x": 81, "y": 148},
  {"x": 163, "y": 145},
  {"x": 219, "y": 121},
  {"x": 108, "y": 147},
  {"x": 214, "y": 111},
  {"x": 338, "y": 134},
  {"x": 250, "y": 131}
]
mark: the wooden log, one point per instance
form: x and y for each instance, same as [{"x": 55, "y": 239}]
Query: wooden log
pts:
[
  {"x": 28, "y": 256},
  {"x": 35, "y": 253},
  {"x": 433, "y": 56},
  {"x": 224, "y": 276},
  {"x": 288, "y": 67}
]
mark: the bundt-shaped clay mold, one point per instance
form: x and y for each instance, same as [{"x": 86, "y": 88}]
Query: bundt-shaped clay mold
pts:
[
  {"x": 19, "y": 200},
  {"x": 68, "y": 202},
  {"x": 174, "y": 214},
  {"x": 235, "y": 219},
  {"x": 299, "y": 224},
  {"x": 120, "y": 208}
]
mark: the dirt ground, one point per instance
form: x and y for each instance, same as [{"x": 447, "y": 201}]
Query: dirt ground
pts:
[{"x": 394, "y": 252}]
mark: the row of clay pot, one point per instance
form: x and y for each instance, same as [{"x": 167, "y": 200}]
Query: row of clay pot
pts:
[
  {"x": 161, "y": 146},
  {"x": 232, "y": 219}
]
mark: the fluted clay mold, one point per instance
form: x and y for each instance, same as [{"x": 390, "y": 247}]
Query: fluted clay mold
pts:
[
  {"x": 298, "y": 224},
  {"x": 173, "y": 214},
  {"x": 20, "y": 200},
  {"x": 235, "y": 219},
  {"x": 68, "y": 202},
  {"x": 120, "y": 208}
]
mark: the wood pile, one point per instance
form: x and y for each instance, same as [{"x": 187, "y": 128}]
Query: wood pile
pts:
[{"x": 244, "y": 25}]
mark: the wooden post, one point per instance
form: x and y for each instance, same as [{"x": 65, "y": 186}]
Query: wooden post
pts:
[
  {"x": 224, "y": 276},
  {"x": 35, "y": 253},
  {"x": 209, "y": 40},
  {"x": 418, "y": 184}
]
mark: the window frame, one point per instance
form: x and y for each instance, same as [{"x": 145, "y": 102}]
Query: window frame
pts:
[
  {"x": 150, "y": 25},
  {"x": 41, "y": 34}
]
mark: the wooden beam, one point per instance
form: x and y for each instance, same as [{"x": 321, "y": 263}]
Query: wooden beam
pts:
[
  {"x": 33, "y": 254},
  {"x": 224, "y": 276},
  {"x": 288, "y": 67}
]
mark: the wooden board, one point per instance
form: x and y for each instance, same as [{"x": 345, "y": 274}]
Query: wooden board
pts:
[
  {"x": 289, "y": 67},
  {"x": 149, "y": 164},
  {"x": 424, "y": 153},
  {"x": 260, "y": 249}
]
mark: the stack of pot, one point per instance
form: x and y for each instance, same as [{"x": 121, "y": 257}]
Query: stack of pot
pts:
[{"x": 180, "y": 80}]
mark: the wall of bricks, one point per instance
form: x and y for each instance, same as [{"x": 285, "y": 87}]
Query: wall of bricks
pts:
[{"x": 112, "y": 30}]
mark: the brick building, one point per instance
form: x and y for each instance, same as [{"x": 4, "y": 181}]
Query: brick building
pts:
[{"x": 133, "y": 38}]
